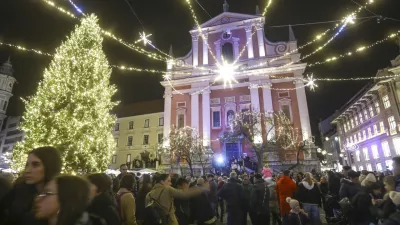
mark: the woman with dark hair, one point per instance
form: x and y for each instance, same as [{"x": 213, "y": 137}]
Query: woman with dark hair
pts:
[
  {"x": 64, "y": 201},
  {"x": 164, "y": 195},
  {"x": 42, "y": 165},
  {"x": 144, "y": 188},
  {"x": 102, "y": 203},
  {"x": 126, "y": 205}
]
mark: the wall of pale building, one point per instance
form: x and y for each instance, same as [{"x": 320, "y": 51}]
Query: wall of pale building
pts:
[{"x": 123, "y": 149}]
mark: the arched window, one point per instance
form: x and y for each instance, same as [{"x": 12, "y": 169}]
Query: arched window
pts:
[{"x": 227, "y": 52}]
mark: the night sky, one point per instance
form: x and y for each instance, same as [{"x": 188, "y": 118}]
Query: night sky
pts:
[{"x": 32, "y": 23}]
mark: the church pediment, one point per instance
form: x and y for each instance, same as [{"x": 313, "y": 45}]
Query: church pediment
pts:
[{"x": 228, "y": 17}]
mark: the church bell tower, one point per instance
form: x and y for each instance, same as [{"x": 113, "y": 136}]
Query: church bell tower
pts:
[{"x": 7, "y": 81}]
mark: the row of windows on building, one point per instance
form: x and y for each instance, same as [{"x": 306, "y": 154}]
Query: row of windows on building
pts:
[
  {"x": 365, "y": 114},
  {"x": 373, "y": 131},
  {"x": 375, "y": 152},
  {"x": 146, "y": 139},
  {"x": 146, "y": 124},
  {"x": 378, "y": 166}
]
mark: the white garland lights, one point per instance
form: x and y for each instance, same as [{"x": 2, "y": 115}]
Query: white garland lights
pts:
[{"x": 227, "y": 71}]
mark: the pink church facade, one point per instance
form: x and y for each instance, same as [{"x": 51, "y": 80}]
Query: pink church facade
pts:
[{"x": 193, "y": 98}]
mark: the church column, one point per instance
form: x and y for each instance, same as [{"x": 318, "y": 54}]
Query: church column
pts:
[
  {"x": 206, "y": 117},
  {"x": 268, "y": 107},
  {"x": 167, "y": 114},
  {"x": 195, "y": 111},
  {"x": 249, "y": 41},
  {"x": 205, "y": 49},
  {"x": 260, "y": 38},
  {"x": 255, "y": 107},
  {"x": 195, "y": 46},
  {"x": 303, "y": 109}
]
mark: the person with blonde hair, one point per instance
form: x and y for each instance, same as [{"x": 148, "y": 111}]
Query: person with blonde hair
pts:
[{"x": 309, "y": 195}]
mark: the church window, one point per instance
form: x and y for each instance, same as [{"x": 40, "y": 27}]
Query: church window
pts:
[
  {"x": 181, "y": 121},
  {"x": 5, "y": 106},
  {"x": 286, "y": 111},
  {"x": 227, "y": 52},
  {"x": 146, "y": 123},
  {"x": 216, "y": 118},
  {"x": 130, "y": 125}
]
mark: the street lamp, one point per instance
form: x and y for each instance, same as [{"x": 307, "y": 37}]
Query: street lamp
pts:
[
  {"x": 323, "y": 152},
  {"x": 319, "y": 150},
  {"x": 341, "y": 155},
  {"x": 326, "y": 139}
]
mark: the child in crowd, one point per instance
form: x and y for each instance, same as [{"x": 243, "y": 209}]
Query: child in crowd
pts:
[{"x": 297, "y": 215}]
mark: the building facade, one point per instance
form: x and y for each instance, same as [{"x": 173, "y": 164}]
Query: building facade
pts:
[
  {"x": 137, "y": 138},
  {"x": 330, "y": 143},
  {"x": 369, "y": 125},
  {"x": 194, "y": 98},
  {"x": 11, "y": 134}
]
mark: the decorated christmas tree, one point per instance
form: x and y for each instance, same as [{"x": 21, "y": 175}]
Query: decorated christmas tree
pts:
[{"x": 71, "y": 108}]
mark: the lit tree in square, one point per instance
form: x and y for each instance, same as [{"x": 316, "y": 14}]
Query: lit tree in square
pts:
[
  {"x": 186, "y": 144},
  {"x": 71, "y": 108},
  {"x": 264, "y": 132}
]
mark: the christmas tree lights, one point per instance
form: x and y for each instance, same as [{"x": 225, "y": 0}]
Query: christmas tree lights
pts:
[{"x": 71, "y": 108}]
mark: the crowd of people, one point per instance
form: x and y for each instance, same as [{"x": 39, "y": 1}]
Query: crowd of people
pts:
[{"x": 42, "y": 195}]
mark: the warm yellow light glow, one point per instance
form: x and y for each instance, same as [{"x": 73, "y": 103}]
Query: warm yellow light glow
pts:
[{"x": 226, "y": 73}]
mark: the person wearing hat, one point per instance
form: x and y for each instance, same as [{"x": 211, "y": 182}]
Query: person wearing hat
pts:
[
  {"x": 350, "y": 187},
  {"x": 297, "y": 216},
  {"x": 233, "y": 194}
]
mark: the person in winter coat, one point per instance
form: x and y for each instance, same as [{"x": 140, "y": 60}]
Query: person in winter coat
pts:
[
  {"x": 164, "y": 194},
  {"x": 333, "y": 183},
  {"x": 323, "y": 186},
  {"x": 396, "y": 172},
  {"x": 212, "y": 195},
  {"x": 285, "y": 187},
  {"x": 42, "y": 165},
  {"x": 102, "y": 203},
  {"x": 126, "y": 205},
  {"x": 259, "y": 202},
  {"x": 394, "y": 218},
  {"x": 297, "y": 216},
  {"x": 309, "y": 195},
  {"x": 382, "y": 209},
  {"x": 350, "y": 187},
  {"x": 273, "y": 203},
  {"x": 182, "y": 209},
  {"x": 221, "y": 203},
  {"x": 233, "y": 194},
  {"x": 144, "y": 189},
  {"x": 204, "y": 213},
  {"x": 247, "y": 187},
  {"x": 362, "y": 204},
  {"x": 64, "y": 200}
]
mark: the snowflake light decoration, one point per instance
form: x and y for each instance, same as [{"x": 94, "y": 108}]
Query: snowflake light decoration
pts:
[
  {"x": 311, "y": 82},
  {"x": 144, "y": 38}
]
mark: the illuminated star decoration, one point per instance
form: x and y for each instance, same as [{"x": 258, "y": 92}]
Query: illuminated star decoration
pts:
[
  {"x": 311, "y": 82},
  {"x": 226, "y": 72},
  {"x": 145, "y": 39}
]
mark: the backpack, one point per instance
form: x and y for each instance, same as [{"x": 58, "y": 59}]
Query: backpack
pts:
[
  {"x": 154, "y": 214},
  {"x": 118, "y": 199},
  {"x": 346, "y": 206}
]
